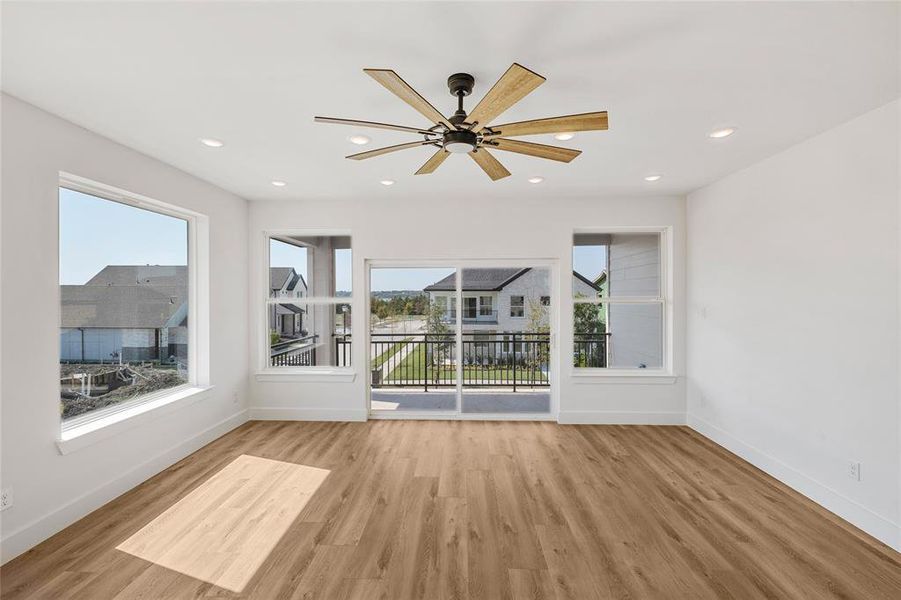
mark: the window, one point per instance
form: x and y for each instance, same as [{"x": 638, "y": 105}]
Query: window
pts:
[
  {"x": 125, "y": 305},
  {"x": 308, "y": 307},
  {"x": 618, "y": 312},
  {"x": 517, "y": 306},
  {"x": 470, "y": 310},
  {"x": 545, "y": 301},
  {"x": 486, "y": 306}
]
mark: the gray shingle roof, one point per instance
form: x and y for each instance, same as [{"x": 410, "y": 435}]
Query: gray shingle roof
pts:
[
  {"x": 154, "y": 275},
  {"x": 486, "y": 280},
  {"x": 127, "y": 297},
  {"x": 477, "y": 280},
  {"x": 121, "y": 306},
  {"x": 278, "y": 276}
]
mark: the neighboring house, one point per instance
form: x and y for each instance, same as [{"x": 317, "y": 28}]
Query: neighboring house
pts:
[
  {"x": 286, "y": 319},
  {"x": 501, "y": 300},
  {"x": 127, "y": 313},
  {"x": 140, "y": 312}
]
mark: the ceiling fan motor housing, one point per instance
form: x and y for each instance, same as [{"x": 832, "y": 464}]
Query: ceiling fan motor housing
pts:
[{"x": 460, "y": 141}]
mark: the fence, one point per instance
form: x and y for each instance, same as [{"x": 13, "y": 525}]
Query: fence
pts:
[
  {"x": 590, "y": 349},
  {"x": 294, "y": 353},
  {"x": 513, "y": 360}
]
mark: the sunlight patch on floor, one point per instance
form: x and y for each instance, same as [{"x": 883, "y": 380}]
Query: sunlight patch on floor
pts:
[{"x": 223, "y": 530}]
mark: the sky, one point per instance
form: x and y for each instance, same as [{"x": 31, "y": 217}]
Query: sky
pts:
[
  {"x": 94, "y": 233},
  {"x": 589, "y": 261},
  {"x": 405, "y": 279}
]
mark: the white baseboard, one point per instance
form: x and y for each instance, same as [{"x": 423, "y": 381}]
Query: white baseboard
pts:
[
  {"x": 858, "y": 515},
  {"x": 274, "y": 413},
  {"x": 40, "y": 529},
  {"x": 604, "y": 417}
]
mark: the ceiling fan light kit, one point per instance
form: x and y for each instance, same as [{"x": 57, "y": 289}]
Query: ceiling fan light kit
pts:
[{"x": 463, "y": 133}]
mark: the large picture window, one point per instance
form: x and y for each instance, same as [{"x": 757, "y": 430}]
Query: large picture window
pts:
[
  {"x": 308, "y": 301},
  {"x": 124, "y": 304},
  {"x": 618, "y": 311}
]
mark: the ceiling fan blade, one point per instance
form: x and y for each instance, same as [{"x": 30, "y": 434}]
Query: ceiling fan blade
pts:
[
  {"x": 532, "y": 149},
  {"x": 512, "y": 87},
  {"x": 387, "y": 150},
  {"x": 402, "y": 90},
  {"x": 433, "y": 163},
  {"x": 373, "y": 124},
  {"x": 489, "y": 164},
  {"x": 594, "y": 121}
]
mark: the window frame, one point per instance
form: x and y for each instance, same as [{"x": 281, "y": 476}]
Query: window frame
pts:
[
  {"x": 90, "y": 425},
  {"x": 483, "y": 305},
  {"x": 265, "y": 371},
  {"x": 521, "y": 306},
  {"x": 663, "y": 299}
]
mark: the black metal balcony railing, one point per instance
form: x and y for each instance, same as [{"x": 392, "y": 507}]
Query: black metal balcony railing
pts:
[
  {"x": 590, "y": 349},
  {"x": 513, "y": 360},
  {"x": 300, "y": 352},
  {"x": 343, "y": 348}
]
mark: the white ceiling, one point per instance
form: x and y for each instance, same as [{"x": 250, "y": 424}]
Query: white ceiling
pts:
[{"x": 157, "y": 76}]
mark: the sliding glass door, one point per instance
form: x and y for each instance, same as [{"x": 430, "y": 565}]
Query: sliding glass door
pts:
[
  {"x": 506, "y": 340},
  {"x": 412, "y": 332},
  {"x": 492, "y": 357}
]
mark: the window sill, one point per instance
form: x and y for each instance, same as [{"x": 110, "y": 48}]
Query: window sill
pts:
[
  {"x": 90, "y": 433},
  {"x": 641, "y": 377},
  {"x": 306, "y": 375}
]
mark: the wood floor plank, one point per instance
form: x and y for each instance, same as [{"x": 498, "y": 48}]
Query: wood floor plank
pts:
[
  {"x": 527, "y": 584},
  {"x": 458, "y": 510}
]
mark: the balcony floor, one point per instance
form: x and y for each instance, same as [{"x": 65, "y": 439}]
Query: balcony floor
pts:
[{"x": 474, "y": 401}]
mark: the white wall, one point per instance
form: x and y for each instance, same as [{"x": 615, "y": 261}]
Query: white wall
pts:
[
  {"x": 397, "y": 227},
  {"x": 793, "y": 326},
  {"x": 52, "y": 490}
]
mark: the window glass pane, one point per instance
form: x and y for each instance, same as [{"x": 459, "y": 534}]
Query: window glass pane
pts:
[
  {"x": 124, "y": 302},
  {"x": 287, "y": 270},
  {"x": 517, "y": 306},
  {"x": 412, "y": 353},
  {"x": 310, "y": 266},
  {"x": 616, "y": 265},
  {"x": 310, "y": 335},
  {"x": 618, "y": 335}
]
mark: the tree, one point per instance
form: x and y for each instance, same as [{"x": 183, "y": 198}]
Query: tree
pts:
[
  {"x": 435, "y": 325},
  {"x": 589, "y": 325},
  {"x": 537, "y": 333}
]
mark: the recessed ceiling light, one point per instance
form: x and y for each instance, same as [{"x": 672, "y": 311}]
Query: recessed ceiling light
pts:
[
  {"x": 653, "y": 177},
  {"x": 278, "y": 183},
  {"x": 564, "y": 136},
  {"x": 359, "y": 140},
  {"x": 387, "y": 182},
  {"x": 212, "y": 142},
  {"x": 535, "y": 179},
  {"x": 721, "y": 133}
]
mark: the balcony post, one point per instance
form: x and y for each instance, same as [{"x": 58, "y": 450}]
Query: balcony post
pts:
[{"x": 514, "y": 362}]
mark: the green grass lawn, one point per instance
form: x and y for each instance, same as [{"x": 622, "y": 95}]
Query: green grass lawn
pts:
[
  {"x": 414, "y": 367},
  {"x": 393, "y": 349}
]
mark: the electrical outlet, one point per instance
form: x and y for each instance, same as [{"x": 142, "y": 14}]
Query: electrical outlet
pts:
[
  {"x": 854, "y": 470},
  {"x": 6, "y": 499}
]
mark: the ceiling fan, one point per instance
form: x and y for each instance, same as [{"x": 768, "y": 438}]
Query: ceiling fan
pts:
[{"x": 472, "y": 133}]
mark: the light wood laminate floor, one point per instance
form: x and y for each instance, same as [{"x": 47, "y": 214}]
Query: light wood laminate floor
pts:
[{"x": 440, "y": 509}]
